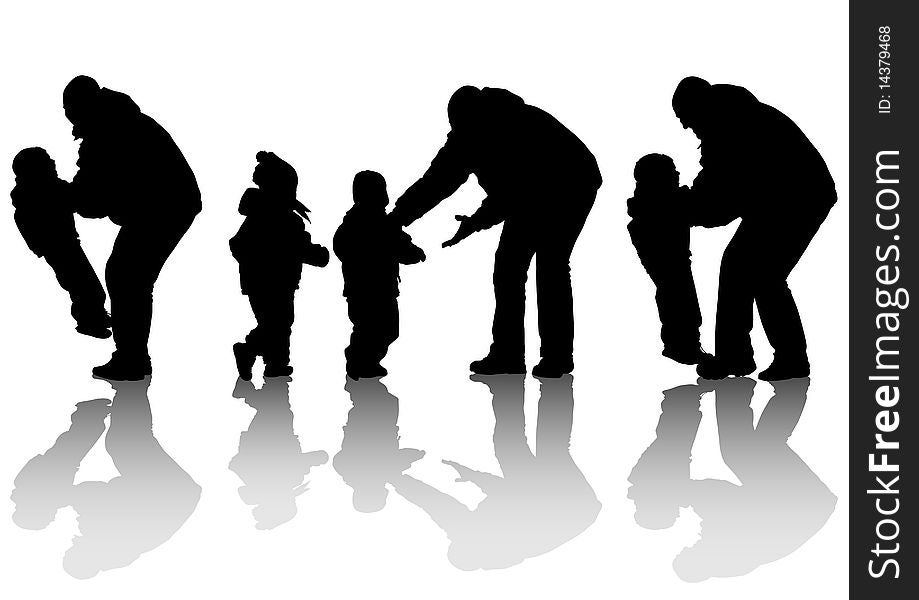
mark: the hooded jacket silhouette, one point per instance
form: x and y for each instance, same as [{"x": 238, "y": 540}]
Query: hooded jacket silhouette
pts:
[
  {"x": 659, "y": 229},
  {"x": 131, "y": 171},
  {"x": 371, "y": 247},
  {"x": 271, "y": 246},
  {"x": 541, "y": 182},
  {"x": 43, "y": 212}
]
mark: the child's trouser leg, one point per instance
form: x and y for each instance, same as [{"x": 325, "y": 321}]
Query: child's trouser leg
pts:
[
  {"x": 76, "y": 276},
  {"x": 678, "y": 307},
  {"x": 361, "y": 322},
  {"x": 274, "y": 312},
  {"x": 386, "y": 328}
]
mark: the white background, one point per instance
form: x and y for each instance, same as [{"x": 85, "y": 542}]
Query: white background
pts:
[{"x": 335, "y": 88}]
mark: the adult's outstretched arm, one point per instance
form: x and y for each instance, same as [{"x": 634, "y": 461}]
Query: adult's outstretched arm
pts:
[
  {"x": 448, "y": 171},
  {"x": 710, "y": 205}
]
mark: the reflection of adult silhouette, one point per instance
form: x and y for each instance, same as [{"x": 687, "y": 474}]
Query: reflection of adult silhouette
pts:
[
  {"x": 539, "y": 502},
  {"x": 370, "y": 455},
  {"x": 541, "y": 182},
  {"x": 121, "y": 519},
  {"x": 132, "y": 172},
  {"x": 780, "y": 503},
  {"x": 752, "y": 150},
  {"x": 270, "y": 461}
]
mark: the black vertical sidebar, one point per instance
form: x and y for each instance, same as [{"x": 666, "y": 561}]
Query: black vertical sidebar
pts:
[{"x": 883, "y": 268}]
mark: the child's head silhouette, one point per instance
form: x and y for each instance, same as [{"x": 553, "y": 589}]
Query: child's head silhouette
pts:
[
  {"x": 33, "y": 164},
  {"x": 370, "y": 189},
  {"x": 273, "y": 174},
  {"x": 656, "y": 172}
]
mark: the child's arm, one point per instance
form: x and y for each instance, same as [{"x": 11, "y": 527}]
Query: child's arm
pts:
[
  {"x": 312, "y": 254},
  {"x": 407, "y": 252}
]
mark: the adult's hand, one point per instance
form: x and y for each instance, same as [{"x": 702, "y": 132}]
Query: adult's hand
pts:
[{"x": 465, "y": 229}]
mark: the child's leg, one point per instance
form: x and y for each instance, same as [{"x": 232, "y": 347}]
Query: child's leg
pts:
[
  {"x": 277, "y": 334},
  {"x": 356, "y": 352},
  {"x": 386, "y": 328},
  {"x": 678, "y": 306},
  {"x": 78, "y": 278},
  {"x": 261, "y": 309}
]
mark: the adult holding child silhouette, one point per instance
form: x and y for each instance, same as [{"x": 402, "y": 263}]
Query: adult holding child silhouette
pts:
[
  {"x": 541, "y": 182},
  {"x": 757, "y": 165},
  {"x": 131, "y": 171}
]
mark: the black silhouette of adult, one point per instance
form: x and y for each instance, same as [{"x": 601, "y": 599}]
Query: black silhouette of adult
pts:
[
  {"x": 270, "y": 460},
  {"x": 541, "y": 182},
  {"x": 371, "y": 247},
  {"x": 131, "y": 171},
  {"x": 780, "y": 504},
  {"x": 44, "y": 215},
  {"x": 758, "y": 166},
  {"x": 121, "y": 519},
  {"x": 540, "y": 501},
  {"x": 370, "y": 454}
]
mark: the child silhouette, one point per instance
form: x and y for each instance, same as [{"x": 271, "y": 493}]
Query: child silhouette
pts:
[
  {"x": 660, "y": 233},
  {"x": 44, "y": 215},
  {"x": 371, "y": 246},
  {"x": 271, "y": 246}
]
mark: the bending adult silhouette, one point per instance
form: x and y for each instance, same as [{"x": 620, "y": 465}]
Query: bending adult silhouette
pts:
[
  {"x": 757, "y": 165},
  {"x": 270, "y": 460},
  {"x": 370, "y": 454},
  {"x": 131, "y": 171},
  {"x": 121, "y": 519},
  {"x": 540, "y": 501},
  {"x": 541, "y": 182},
  {"x": 780, "y": 504}
]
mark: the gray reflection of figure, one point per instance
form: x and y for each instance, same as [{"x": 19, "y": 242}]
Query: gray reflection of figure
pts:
[
  {"x": 133, "y": 513},
  {"x": 270, "y": 461},
  {"x": 779, "y": 506},
  {"x": 541, "y": 501},
  {"x": 370, "y": 455}
]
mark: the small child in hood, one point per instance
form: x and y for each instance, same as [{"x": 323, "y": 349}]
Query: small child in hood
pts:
[
  {"x": 660, "y": 233},
  {"x": 44, "y": 217},
  {"x": 371, "y": 246},
  {"x": 271, "y": 246}
]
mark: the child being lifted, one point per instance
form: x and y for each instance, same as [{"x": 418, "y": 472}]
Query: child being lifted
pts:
[
  {"x": 44, "y": 214},
  {"x": 660, "y": 233}
]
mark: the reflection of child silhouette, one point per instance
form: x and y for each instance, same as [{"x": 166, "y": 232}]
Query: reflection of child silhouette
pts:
[
  {"x": 371, "y": 455},
  {"x": 45, "y": 219},
  {"x": 271, "y": 246},
  {"x": 371, "y": 247},
  {"x": 270, "y": 461},
  {"x": 660, "y": 233}
]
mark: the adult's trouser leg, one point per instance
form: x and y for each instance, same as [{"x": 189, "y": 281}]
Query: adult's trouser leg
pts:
[
  {"x": 556, "y": 238},
  {"x": 512, "y": 260},
  {"x": 734, "y": 317},
  {"x": 777, "y": 308},
  {"x": 138, "y": 256}
]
